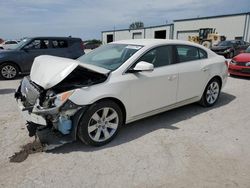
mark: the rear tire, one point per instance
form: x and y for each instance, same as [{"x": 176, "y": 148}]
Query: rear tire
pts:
[
  {"x": 211, "y": 93},
  {"x": 8, "y": 71},
  {"x": 100, "y": 123}
]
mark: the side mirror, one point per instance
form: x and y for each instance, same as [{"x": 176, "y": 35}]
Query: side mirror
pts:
[{"x": 143, "y": 66}]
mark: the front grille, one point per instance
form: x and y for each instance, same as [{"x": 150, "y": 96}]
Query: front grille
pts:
[
  {"x": 29, "y": 92},
  {"x": 241, "y": 64},
  {"x": 245, "y": 71}
]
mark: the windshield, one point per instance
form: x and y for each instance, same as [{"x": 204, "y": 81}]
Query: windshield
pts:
[
  {"x": 110, "y": 56},
  {"x": 20, "y": 44},
  {"x": 225, "y": 43}
]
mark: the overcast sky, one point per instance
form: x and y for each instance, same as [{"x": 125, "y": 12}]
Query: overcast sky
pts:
[{"x": 87, "y": 18}]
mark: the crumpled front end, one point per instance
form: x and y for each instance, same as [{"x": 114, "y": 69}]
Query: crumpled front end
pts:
[
  {"x": 44, "y": 97},
  {"x": 45, "y": 109}
]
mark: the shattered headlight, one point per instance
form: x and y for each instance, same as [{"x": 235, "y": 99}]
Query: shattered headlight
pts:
[{"x": 62, "y": 97}]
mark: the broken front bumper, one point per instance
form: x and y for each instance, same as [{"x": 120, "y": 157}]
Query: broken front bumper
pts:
[
  {"x": 30, "y": 117},
  {"x": 62, "y": 118}
]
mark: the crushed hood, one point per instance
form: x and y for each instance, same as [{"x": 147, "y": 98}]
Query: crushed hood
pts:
[{"x": 47, "y": 71}]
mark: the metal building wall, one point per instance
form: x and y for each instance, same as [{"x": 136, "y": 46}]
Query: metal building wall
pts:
[
  {"x": 234, "y": 25},
  {"x": 230, "y": 26},
  {"x": 148, "y": 32}
]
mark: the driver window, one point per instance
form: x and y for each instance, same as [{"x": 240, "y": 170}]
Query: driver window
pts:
[
  {"x": 160, "y": 56},
  {"x": 38, "y": 44}
]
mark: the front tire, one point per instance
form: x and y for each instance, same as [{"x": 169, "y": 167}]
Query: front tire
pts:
[
  {"x": 8, "y": 71},
  {"x": 100, "y": 123},
  {"x": 211, "y": 93}
]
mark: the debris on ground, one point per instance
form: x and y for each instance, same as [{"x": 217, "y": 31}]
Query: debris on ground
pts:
[{"x": 30, "y": 148}]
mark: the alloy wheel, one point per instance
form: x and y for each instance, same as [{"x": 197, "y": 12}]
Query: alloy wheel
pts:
[
  {"x": 212, "y": 92},
  {"x": 8, "y": 71},
  {"x": 103, "y": 124}
]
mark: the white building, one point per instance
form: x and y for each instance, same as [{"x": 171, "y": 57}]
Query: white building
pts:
[
  {"x": 161, "y": 31},
  {"x": 233, "y": 26}
]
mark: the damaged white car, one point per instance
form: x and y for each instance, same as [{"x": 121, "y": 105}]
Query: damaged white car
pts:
[{"x": 115, "y": 84}]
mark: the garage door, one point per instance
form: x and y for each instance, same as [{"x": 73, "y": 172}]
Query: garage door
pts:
[
  {"x": 183, "y": 35},
  {"x": 137, "y": 35}
]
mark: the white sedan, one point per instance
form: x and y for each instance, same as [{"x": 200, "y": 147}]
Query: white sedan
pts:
[
  {"x": 118, "y": 83},
  {"x": 9, "y": 44}
]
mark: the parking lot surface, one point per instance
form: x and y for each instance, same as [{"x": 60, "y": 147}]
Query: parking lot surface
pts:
[{"x": 190, "y": 146}]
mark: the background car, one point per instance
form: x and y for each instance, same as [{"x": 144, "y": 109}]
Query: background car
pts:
[
  {"x": 119, "y": 83},
  {"x": 91, "y": 44},
  {"x": 20, "y": 58},
  {"x": 240, "y": 64},
  {"x": 8, "y": 44},
  {"x": 230, "y": 48}
]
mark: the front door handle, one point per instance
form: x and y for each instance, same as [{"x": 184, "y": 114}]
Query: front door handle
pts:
[
  {"x": 205, "y": 69},
  {"x": 174, "y": 77},
  {"x": 171, "y": 78}
]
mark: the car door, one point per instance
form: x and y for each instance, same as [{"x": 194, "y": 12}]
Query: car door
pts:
[
  {"x": 151, "y": 90},
  {"x": 33, "y": 49},
  {"x": 193, "y": 71}
]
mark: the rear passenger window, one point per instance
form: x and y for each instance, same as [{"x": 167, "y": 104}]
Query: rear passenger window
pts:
[
  {"x": 190, "y": 53},
  {"x": 187, "y": 53},
  {"x": 59, "y": 44},
  {"x": 159, "y": 56}
]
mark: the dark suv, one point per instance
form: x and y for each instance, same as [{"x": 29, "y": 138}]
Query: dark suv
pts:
[{"x": 19, "y": 59}]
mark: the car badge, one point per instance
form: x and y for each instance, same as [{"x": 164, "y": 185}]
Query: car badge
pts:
[{"x": 248, "y": 64}]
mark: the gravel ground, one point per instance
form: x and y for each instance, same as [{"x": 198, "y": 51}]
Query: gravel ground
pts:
[{"x": 190, "y": 146}]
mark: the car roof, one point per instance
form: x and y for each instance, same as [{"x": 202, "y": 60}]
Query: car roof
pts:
[
  {"x": 44, "y": 37},
  {"x": 149, "y": 43},
  {"x": 152, "y": 42}
]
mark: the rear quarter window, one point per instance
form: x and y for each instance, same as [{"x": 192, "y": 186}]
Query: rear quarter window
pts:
[{"x": 202, "y": 53}]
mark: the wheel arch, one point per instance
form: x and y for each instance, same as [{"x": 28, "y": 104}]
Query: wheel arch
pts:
[
  {"x": 119, "y": 103},
  {"x": 76, "y": 118},
  {"x": 201, "y": 101},
  {"x": 218, "y": 78},
  {"x": 213, "y": 77}
]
